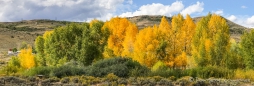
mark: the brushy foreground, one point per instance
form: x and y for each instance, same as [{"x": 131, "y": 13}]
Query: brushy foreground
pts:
[{"x": 113, "y": 80}]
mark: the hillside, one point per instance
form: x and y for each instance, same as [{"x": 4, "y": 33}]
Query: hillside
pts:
[{"x": 12, "y": 34}]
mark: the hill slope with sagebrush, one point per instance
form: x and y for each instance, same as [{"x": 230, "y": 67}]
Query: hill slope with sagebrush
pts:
[{"x": 12, "y": 34}]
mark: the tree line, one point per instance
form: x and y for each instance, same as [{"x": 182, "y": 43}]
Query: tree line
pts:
[{"x": 181, "y": 44}]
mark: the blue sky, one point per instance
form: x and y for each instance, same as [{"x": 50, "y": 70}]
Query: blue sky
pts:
[{"x": 238, "y": 11}]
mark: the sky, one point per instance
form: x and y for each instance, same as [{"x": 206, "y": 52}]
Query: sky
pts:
[{"x": 238, "y": 11}]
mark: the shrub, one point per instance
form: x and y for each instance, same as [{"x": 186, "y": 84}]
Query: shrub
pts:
[
  {"x": 184, "y": 81},
  {"x": 111, "y": 77},
  {"x": 165, "y": 82},
  {"x": 12, "y": 67},
  {"x": 13, "y": 79},
  {"x": 75, "y": 80},
  {"x": 88, "y": 80},
  {"x": 159, "y": 66},
  {"x": 214, "y": 71},
  {"x": 122, "y": 81},
  {"x": 40, "y": 70},
  {"x": 65, "y": 80},
  {"x": 177, "y": 73},
  {"x": 121, "y": 67},
  {"x": 67, "y": 70},
  {"x": 47, "y": 82}
]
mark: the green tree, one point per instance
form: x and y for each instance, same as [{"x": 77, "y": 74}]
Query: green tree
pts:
[
  {"x": 60, "y": 43},
  {"x": 211, "y": 44},
  {"x": 39, "y": 47},
  {"x": 235, "y": 59},
  {"x": 247, "y": 49},
  {"x": 93, "y": 42},
  {"x": 79, "y": 42}
]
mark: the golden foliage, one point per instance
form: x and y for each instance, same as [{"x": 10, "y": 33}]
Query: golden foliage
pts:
[
  {"x": 122, "y": 36},
  {"x": 187, "y": 32},
  {"x": 166, "y": 43},
  {"x": 181, "y": 60},
  {"x": 145, "y": 45},
  {"x": 26, "y": 58}
]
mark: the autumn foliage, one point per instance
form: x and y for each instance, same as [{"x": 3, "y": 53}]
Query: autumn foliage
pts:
[
  {"x": 176, "y": 46},
  {"x": 122, "y": 34},
  {"x": 26, "y": 58}
]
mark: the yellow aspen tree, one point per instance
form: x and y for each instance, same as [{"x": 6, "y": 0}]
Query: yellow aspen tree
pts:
[
  {"x": 219, "y": 33},
  {"x": 164, "y": 29},
  {"x": 26, "y": 57},
  {"x": 128, "y": 43},
  {"x": 187, "y": 32},
  {"x": 145, "y": 46},
  {"x": 174, "y": 47},
  {"x": 177, "y": 23},
  {"x": 121, "y": 36}
]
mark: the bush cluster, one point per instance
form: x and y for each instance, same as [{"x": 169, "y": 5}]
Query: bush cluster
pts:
[
  {"x": 121, "y": 67},
  {"x": 211, "y": 71}
]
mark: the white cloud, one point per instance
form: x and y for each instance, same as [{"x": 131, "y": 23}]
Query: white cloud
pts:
[
  {"x": 156, "y": 9},
  {"x": 198, "y": 7},
  {"x": 244, "y": 20},
  {"x": 167, "y": 10},
  {"x": 74, "y": 10},
  {"x": 244, "y": 7},
  {"x": 250, "y": 21},
  {"x": 219, "y": 12},
  {"x": 232, "y": 18}
]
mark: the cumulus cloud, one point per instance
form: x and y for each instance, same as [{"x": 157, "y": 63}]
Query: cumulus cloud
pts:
[
  {"x": 244, "y": 20},
  {"x": 156, "y": 9},
  {"x": 75, "y": 10},
  {"x": 167, "y": 10},
  {"x": 198, "y": 7},
  {"x": 250, "y": 21},
  {"x": 232, "y": 18}
]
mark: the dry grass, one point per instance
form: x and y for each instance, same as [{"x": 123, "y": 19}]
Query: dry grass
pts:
[{"x": 12, "y": 34}]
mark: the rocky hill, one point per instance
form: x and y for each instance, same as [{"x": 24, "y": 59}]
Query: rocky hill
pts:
[{"x": 12, "y": 34}]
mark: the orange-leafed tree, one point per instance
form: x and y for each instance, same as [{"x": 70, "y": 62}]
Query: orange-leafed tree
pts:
[{"x": 26, "y": 57}]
